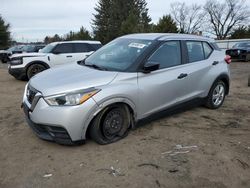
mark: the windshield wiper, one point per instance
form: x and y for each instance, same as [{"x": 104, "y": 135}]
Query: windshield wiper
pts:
[{"x": 94, "y": 66}]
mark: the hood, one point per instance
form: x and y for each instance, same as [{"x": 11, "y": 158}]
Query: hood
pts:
[
  {"x": 28, "y": 55},
  {"x": 70, "y": 78}
]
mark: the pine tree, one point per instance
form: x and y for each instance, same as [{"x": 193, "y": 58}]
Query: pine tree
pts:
[
  {"x": 166, "y": 25},
  {"x": 101, "y": 26},
  {"x": 83, "y": 34},
  {"x": 241, "y": 33},
  {"x": 118, "y": 17},
  {"x": 4, "y": 34}
]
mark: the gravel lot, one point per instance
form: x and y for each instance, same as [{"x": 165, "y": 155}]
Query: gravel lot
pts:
[{"x": 151, "y": 156}]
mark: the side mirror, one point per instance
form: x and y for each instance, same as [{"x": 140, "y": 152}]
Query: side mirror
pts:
[{"x": 151, "y": 66}]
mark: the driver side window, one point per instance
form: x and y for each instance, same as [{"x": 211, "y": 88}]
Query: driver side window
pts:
[{"x": 167, "y": 55}]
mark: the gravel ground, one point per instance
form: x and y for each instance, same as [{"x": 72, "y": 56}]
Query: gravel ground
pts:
[{"x": 153, "y": 155}]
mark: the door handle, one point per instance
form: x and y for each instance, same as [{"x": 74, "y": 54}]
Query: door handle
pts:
[
  {"x": 69, "y": 56},
  {"x": 215, "y": 62},
  {"x": 182, "y": 75}
]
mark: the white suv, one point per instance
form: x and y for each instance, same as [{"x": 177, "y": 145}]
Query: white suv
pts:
[{"x": 24, "y": 66}]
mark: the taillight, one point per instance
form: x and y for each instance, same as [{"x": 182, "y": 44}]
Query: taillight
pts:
[{"x": 228, "y": 59}]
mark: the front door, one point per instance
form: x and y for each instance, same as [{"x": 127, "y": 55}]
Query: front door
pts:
[{"x": 157, "y": 90}]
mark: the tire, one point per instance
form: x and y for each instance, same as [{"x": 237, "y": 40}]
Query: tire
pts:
[
  {"x": 111, "y": 124},
  {"x": 34, "y": 69},
  {"x": 216, "y": 95},
  {"x": 4, "y": 61}
]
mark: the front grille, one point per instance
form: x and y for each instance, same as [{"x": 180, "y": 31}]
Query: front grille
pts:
[{"x": 31, "y": 93}]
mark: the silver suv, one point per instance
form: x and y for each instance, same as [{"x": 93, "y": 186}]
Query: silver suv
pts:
[{"x": 128, "y": 79}]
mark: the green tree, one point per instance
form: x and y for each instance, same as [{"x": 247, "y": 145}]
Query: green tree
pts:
[
  {"x": 101, "y": 22},
  {"x": 166, "y": 25},
  {"x": 4, "y": 34},
  {"x": 241, "y": 33},
  {"x": 55, "y": 38},
  {"x": 83, "y": 34},
  {"x": 118, "y": 17}
]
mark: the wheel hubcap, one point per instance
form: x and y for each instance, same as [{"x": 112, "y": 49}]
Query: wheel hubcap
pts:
[
  {"x": 36, "y": 70},
  {"x": 112, "y": 124},
  {"x": 218, "y": 94}
]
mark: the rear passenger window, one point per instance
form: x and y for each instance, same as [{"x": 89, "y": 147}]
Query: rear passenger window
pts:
[
  {"x": 64, "y": 48},
  {"x": 195, "y": 51},
  {"x": 207, "y": 49},
  {"x": 167, "y": 55},
  {"x": 81, "y": 47}
]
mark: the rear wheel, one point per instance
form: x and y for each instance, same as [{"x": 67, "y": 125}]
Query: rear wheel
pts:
[
  {"x": 216, "y": 95},
  {"x": 111, "y": 124},
  {"x": 34, "y": 69}
]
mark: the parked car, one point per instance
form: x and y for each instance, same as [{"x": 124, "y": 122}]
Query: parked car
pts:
[
  {"x": 26, "y": 65},
  {"x": 32, "y": 48},
  {"x": 5, "y": 54},
  {"x": 128, "y": 79},
  {"x": 240, "y": 51}
]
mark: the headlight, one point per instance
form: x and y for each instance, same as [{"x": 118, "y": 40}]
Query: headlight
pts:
[
  {"x": 16, "y": 61},
  {"x": 238, "y": 52},
  {"x": 71, "y": 99}
]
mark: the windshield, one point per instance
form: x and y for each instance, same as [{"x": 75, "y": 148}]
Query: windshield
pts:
[
  {"x": 28, "y": 48},
  {"x": 48, "y": 48},
  {"x": 118, "y": 55},
  {"x": 14, "y": 48}
]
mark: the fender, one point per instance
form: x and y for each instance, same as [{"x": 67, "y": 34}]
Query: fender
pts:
[
  {"x": 224, "y": 77},
  {"x": 103, "y": 105},
  {"x": 38, "y": 62}
]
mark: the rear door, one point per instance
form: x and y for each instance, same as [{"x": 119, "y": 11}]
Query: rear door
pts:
[{"x": 192, "y": 81}]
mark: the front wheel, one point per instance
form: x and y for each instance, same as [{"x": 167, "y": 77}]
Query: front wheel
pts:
[
  {"x": 111, "y": 124},
  {"x": 216, "y": 95},
  {"x": 34, "y": 69}
]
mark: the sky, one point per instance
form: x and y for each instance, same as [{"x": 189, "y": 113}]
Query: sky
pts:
[{"x": 32, "y": 20}]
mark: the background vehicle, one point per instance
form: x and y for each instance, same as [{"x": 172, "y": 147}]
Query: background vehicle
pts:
[
  {"x": 240, "y": 51},
  {"x": 127, "y": 80},
  {"x": 32, "y": 48},
  {"x": 26, "y": 65},
  {"x": 5, "y": 54}
]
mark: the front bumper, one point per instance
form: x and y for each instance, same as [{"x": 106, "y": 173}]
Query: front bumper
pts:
[
  {"x": 18, "y": 73},
  {"x": 46, "y": 132},
  {"x": 63, "y": 125}
]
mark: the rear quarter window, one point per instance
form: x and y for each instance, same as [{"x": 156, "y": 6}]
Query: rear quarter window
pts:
[
  {"x": 207, "y": 49},
  {"x": 95, "y": 47}
]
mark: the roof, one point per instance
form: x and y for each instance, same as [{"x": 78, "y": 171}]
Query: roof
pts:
[
  {"x": 166, "y": 36},
  {"x": 78, "y": 41}
]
